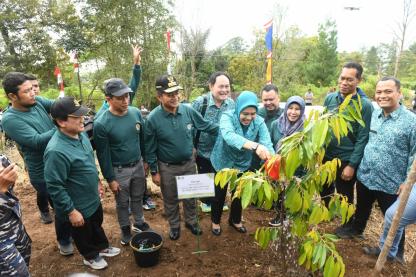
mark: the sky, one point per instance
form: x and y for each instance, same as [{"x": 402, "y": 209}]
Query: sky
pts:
[{"x": 374, "y": 22}]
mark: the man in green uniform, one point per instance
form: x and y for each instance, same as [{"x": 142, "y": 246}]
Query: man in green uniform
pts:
[
  {"x": 271, "y": 100},
  {"x": 148, "y": 203},
  {"x": 169, "y": 150},
  {"x": 73, "y": 183},
  {"x": 270, "y": 112},
  {"x": 27, "y": 122},
  {"x": 351, "y": 148},
  {"x": 118, "y": 137}
]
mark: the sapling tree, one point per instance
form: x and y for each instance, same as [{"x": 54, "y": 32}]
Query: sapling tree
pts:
[{"x": 302, "y": 204}]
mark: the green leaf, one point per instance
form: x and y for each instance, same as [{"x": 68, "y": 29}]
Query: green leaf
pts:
[
  {"x": 293, "y": 200},
  {"x": 351, "y": 211},
  {"x": 322, "y": 259},
  {"x": 315, "y": 216},
  {"x": 324, "y": 132},
  {"x": 344, "y": 210},
  {"x": 267, "y": 190},
  {"x": 342, "y": 271},
  {"x": 344, "y": 128},
  {"x": 317, "y": 252},
  {"x": 336, "y": 269},
  {"x": 344, "y": 103},
  {"x": 292, "y": 162},
  {"x": 246, "y": 193},
  {"x": 302, "y": 257},
  {"x": 218, "y": 177},
  {"x": 329, "y": 267}
]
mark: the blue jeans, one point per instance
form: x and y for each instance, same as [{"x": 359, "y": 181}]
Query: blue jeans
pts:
[{"x": 408, "y": 217}]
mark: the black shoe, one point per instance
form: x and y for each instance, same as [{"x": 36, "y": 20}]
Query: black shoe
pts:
[
  {"x": 194, "y": 229},
  {"x": 241, "y": 229},
  {"x": 216, "y": 231},
  {"x": 45, "y": 217},
  {"x": 125, "y": 235},
  {"x": 140, "y": 228},
  {"x": 375, "y": 252},
  {"x": 372, "y": 250},
  {"x": 348, "y": 232},
  {"x": 174, "y": 233}
]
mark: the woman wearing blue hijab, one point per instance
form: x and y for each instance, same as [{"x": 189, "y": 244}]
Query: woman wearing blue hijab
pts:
[
  {"x": 290, "y": 122},
  {"x": 241, "y": 134}
]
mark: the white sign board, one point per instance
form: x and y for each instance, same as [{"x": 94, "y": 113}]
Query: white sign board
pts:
[{"x": 195, "y": 186}]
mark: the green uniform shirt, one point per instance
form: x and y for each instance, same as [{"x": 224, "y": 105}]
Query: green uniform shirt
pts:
[
  {"x": 71, "y": 175},
  {"x": 117, "y": 140},
  {"x": 269, "y": 116},
  {"x": 31, "y": 130},
  {"x": 169, "y": 137},
  {"x": 351, "y": 148}
]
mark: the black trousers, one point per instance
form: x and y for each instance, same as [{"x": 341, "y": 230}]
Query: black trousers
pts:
[
  {"x": 217, "y": 204},
  {"x": 343, "y": 187},
  {"x": 90, "y": 238},
  {"x": 204, "y": 166},
  {"x": 365, "y": 201}
]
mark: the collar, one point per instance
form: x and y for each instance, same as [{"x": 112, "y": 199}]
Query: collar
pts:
[
  {"x": 211, "y": 101},
  {"x": 394, "y": 115},
  {"x": 70, "y": 140},
  {"x": 179, "y": 110}
]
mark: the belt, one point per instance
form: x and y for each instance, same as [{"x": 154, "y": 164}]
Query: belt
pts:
[
  {"x": 126, "y": 165},
  {"x": 175, "y": 163}
]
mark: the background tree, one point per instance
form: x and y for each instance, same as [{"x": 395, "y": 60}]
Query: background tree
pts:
[
  {"x": 409, "y": 12},
  {"x": 193, "y": 50},
  {"x": 323, "y": 60}
]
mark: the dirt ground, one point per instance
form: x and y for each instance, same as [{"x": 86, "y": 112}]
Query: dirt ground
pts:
[{"x": 231, "y": 254}]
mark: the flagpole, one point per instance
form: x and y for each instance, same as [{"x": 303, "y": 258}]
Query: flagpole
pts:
[
  {"x": 168, "y": 37},
  {"x": 269, "y": 45},
  {"x": 76, "y": 70}
]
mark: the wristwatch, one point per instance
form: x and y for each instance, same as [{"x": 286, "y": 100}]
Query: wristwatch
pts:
[{"x": 254, "y": 147}]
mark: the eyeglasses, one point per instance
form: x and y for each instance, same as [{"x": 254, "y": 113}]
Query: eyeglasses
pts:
[{"x": 75, "y": 116}]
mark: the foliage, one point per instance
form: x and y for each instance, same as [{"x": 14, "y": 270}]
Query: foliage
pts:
[
  {"x": 302, "y": 204},
  {"x": 322, "y": 67}
]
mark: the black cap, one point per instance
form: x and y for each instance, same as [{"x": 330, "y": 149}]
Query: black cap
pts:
[
  {"x": 62, "y": 107},
  {"x": 115, "y": 87},
  {"x": 167, "y": 83}
]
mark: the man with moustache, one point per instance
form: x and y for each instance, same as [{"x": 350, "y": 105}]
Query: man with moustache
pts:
[
  {"x": 73, "y": 183},
  {"x": 118, "y": 137},
  {"x": 351, "y": 148},
  {"x": 387, "y": 159},
  {"x": 271, "y": 100},
  {"x": 169, "y": 150}
]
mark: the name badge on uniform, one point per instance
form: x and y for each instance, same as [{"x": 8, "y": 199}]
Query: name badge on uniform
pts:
[
  {"x": 189, "y": 126},
  {"x": 138, "y": 126}
]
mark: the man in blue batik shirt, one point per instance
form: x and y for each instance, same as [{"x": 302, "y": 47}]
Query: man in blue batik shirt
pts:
[{"x": 387, "y": 158}]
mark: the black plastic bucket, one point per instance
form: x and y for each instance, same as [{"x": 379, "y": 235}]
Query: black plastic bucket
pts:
[{"x": 146, "y": 247}]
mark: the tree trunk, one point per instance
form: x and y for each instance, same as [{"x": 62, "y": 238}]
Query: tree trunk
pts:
[
  {"x": 9, "y": 46},
  {"x": 404, "y": 196}
]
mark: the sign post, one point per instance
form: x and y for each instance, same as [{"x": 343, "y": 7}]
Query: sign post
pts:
[{"x": 196, "y": 186}]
